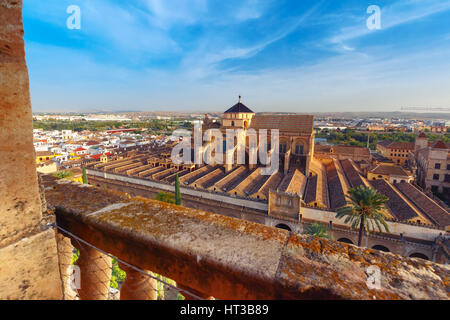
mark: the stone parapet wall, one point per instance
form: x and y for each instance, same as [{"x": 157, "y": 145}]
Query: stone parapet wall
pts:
[{"x": 257, "y": 262}]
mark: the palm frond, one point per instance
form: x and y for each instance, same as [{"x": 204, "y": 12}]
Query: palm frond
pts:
[{"x": 367, "y": 205}]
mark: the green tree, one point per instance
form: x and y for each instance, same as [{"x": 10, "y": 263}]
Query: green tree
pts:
[
  {"x": 85, "y": 178},
  {"x": 177, "y": 191},
  {"x": 317, "y": 230},
  {"x": 117, "y": 276},
  {"x": 63, "y": 174},
  {"x": 364, "y": 209},
  {"x": 165, "y": 197}
]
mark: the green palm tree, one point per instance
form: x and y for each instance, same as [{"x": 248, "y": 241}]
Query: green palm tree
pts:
[
  {"x": 317, "y": 230},
  {"x": 364, "y": 209}
]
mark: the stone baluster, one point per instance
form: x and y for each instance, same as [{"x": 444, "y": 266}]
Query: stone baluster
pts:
[
  {"x": 137, "y": 286},
  {"x": 66, "y": 269},
  {"x": 95, "y": 272}
]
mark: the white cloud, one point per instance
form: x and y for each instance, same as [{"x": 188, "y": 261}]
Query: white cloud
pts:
[
  {"x": 203, "y": 61},
  {"x": 166, "y": 13},
  {"x": 70, "y": 78},
  {"x": 399, "y": 13}
]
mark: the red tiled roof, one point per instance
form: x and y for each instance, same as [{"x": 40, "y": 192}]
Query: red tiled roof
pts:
[
  {"x": 431, "y": 209},
  {"x": 335, "y": 191},
  {"x": 423, "y": 135},
  {"x": 397, "y": 145},
  {"x": 290, "y": 123},
  {"x": 384, "y": 143},
  {"x": 350, "y": 150},
  {"x": 397, "y": 206},
  {"x": 439, "y": 145},
  {"x": 98, "y": 156},
  {"x": 79, "y": 149},
  {"x": 92, "y": 143},
  {"x": 95, "y": 156},
  {"x": 311, "y": 189},
  {"x": 352, "y": 175},
  {"x": 390, "y": 170}
]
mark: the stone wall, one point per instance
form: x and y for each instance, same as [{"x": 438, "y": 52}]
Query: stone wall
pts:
[{"x": 28, "y": 256}]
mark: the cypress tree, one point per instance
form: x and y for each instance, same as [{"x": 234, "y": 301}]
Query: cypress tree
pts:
[
  {"x": 177, "y": 191},
  {"x": 85, "y": 178}
]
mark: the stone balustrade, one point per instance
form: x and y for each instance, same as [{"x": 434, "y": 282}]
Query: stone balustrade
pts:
[{"x": 216, "y": 256}]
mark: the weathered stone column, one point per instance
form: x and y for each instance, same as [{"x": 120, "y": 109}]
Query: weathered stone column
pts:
[
  {"x": 137, "y": 286},
  {"x": 28, "y": 255},
  {"x": 95, "y": 272},
  {"x": 65, "y": 254},
  {"x": 190, "y": 297}
]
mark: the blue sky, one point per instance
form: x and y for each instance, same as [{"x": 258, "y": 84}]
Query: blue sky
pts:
[{"x": 186, "y": 55}]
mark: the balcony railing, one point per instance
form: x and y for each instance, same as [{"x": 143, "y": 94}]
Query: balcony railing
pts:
[{"x": 210, "y": 255}]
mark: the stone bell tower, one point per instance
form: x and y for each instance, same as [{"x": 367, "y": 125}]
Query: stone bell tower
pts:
[{"x": 238, "y": 116}]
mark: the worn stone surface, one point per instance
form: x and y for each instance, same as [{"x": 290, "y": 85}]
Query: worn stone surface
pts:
[
  {"x": 28, "y": 257},
  {"x": 316, "y": 267},
  {"x": 20, "y": 205},
  {"x": 29, "y": 269},
  {"x": 235, "y": 259}
]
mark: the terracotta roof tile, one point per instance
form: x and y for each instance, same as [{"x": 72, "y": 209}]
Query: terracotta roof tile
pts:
[
  {"x": 423, "y": 135},
  {"x": 397, "y": 145},
  {"x": 431, "y": 209},
  {"x": 397, "y": 206},
  {"x": 439, "y": 145},
  {"x": 290, "y": 123},
  {"x": 390, "y": 170}
]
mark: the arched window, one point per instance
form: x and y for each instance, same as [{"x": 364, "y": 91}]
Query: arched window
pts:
[
  {"x": 283, "y": 226},
  {"x": 381, "y": 248},
  {"x": 299, "y": 148},
  {"x": 345, "y": 240},
  {"x": 419, "y": 255},
  {"x": 232, "y": 123}
]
